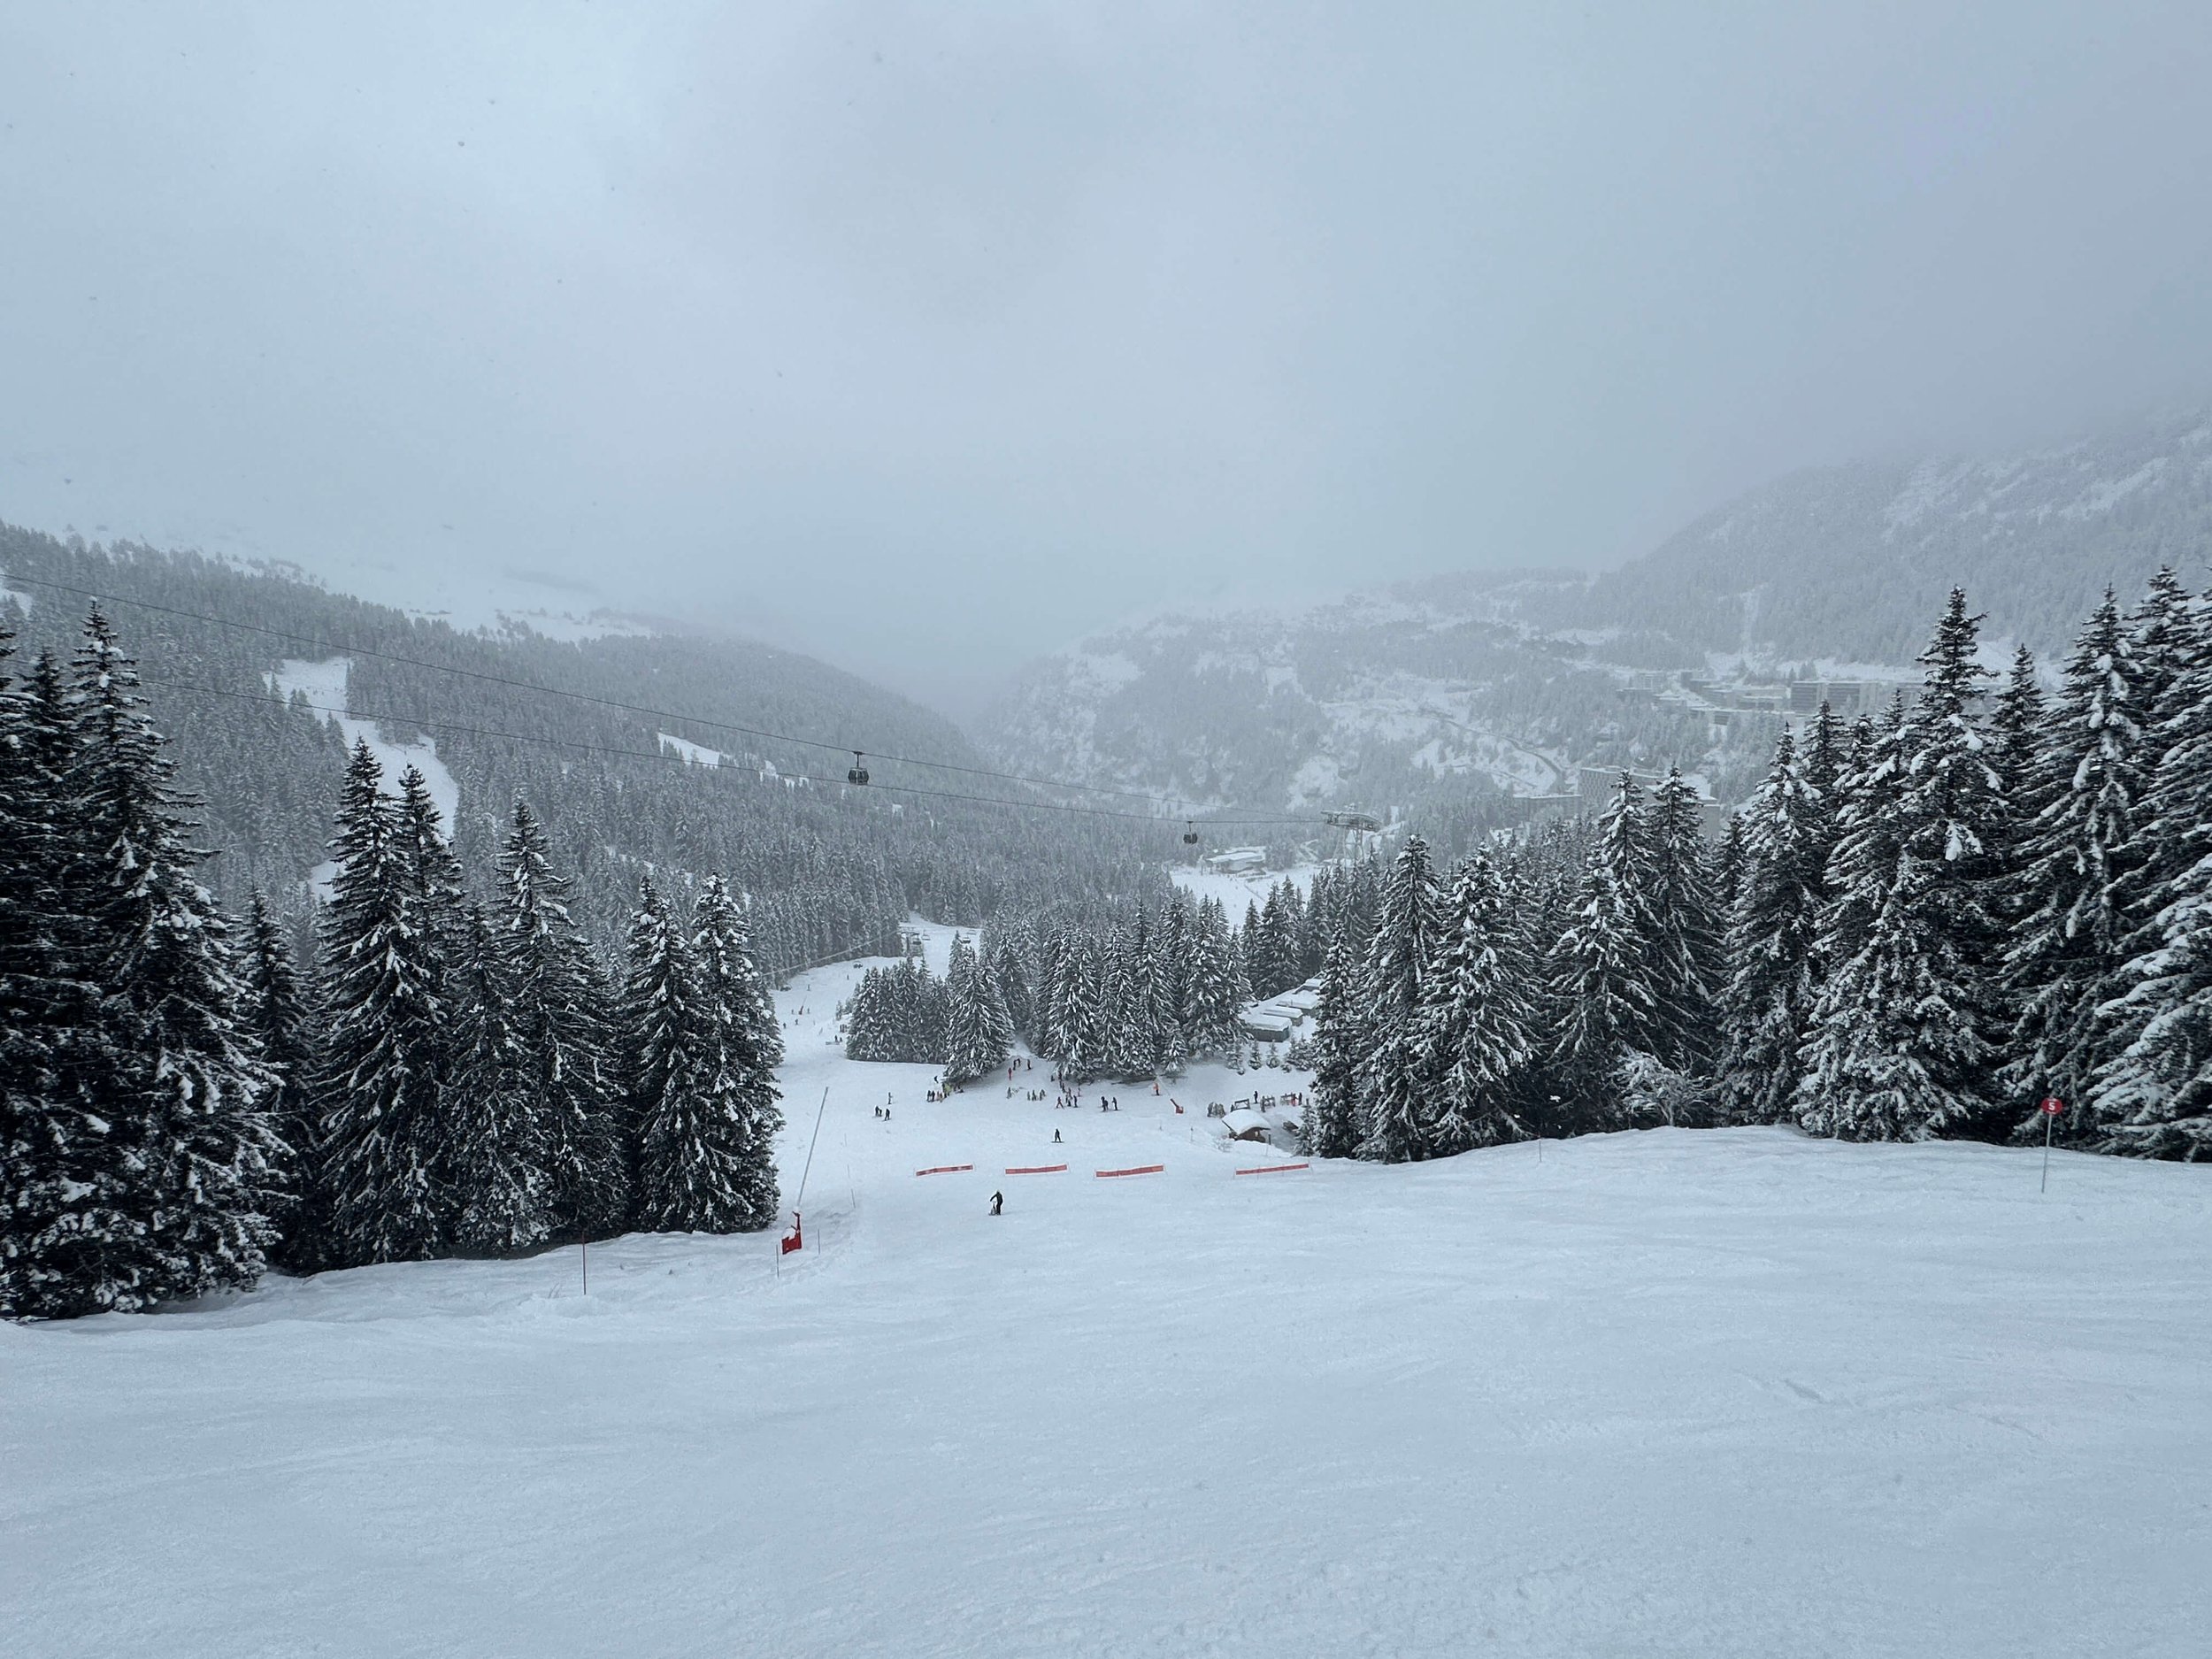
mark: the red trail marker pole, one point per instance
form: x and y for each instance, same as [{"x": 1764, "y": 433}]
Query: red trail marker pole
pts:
[{"x": 2052, "y": 1106}]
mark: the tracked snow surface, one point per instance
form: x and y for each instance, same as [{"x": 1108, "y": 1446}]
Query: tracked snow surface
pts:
[{"x": 1675, "y": 1392}]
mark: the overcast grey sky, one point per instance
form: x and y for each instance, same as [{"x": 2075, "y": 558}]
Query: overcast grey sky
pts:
[{"x": 922, "y": 336}]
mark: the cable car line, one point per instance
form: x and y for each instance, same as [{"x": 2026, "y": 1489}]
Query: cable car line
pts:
[
  {"x": 426, "y": 723},
  {"x": 581, "y": 697}
]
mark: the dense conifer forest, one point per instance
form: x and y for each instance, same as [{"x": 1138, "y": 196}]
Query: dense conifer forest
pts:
[
  {"x": 1925, "y": 923},
  {"x": 577, "y": 728},
  {"x": 455, "y": 1073}
]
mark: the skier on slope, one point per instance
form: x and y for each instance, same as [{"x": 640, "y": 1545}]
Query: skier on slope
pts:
[{"x": 998, "y": 1201}]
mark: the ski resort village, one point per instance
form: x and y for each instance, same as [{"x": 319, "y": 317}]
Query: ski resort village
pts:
[{"x": 1078, "y": 832}]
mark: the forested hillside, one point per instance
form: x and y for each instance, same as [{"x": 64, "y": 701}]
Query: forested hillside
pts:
[{"x": 579, "y": 729}]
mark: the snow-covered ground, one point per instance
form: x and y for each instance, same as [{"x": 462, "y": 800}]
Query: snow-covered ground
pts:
[
  {"x": 325, "y": 685},
  {"x": 1690, "y": 1394},
  {"x": 1235, "y": 891}
]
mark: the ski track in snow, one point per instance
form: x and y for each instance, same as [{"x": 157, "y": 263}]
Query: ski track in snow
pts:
[
  {"x": 325, "y": 685},
  {"x": 1680, "y": 1393}
]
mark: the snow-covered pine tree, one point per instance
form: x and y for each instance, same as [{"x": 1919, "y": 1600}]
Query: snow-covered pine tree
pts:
[
  {"x": 1729, "y": 860},
  {"x": 1603, "y": 970},
  {"x": 2072, "y": 857},
  {"x": 1217, "y": 992},
  {"x": 690, "y": 1131},
  {"x": 1901, "y": 1044},
  {"x": 2153, "y": 1096},
  {"x": 1008, "y": 956},
  {"x": 1330, "y": 1127},
  {"x": 1118, "y": 1042},
  {"x": 1177, "y": 942},
  {"x": 928, "y": 1005},
  {"x": 869, "y": 1032},
  {"x": 433, "y": 871},
  {"x": 1064, "y": 1017},
  {"x": 1273, "y": 952},
  {"x": 498, "y": 1172},
  {"x": 154, "y": 1171},
  {"x": 2015, "y": 730},
  {"x": 51, "y": 1060},
  {"x": 1085, "y": 1036},
  {"x": 1394, "y": 1126},
  {"x": 1477, "y": 1018},
  {"x": 977, "y": 1031},
  {"x": 723, "y": 941},
  {"x": 281, "y": 1012},
  {"x": 556, "y": 1011},
  {"x": 383, "y": 963},
  {"x": 747, "y": 1047},
  {"x": 1140, "y": 1038},
  {"x": 1158, "y": 992},
  {"x": 1768, "y": 995},
  {"x": 1687, "y": 960}
]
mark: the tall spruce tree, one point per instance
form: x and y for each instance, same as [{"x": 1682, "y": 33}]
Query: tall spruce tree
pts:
[
  {"x": 1478, "y": 1020},
  {"x": 1767, "y": 1002},
  {"x": 1686, "y": 945},
  {"x": 1331, "y": 1127},
  {"x": 691, "y": 1140},
  {"x": 2079, "y": 798},
  {"x": 384, "y": 961},
  {"x": 1901, "y": 1045},
  {"x": 1396, "y": 1121},
  {"x": 977, "y": 1034},
  {"x": 281, "y": 1010},
  {"x": 51, "y": 1063},
  {"x": 748, "y": 1047},
  {"x": 152, "y": 1166},
  {"x": 557, "y": 1017},
  {"x": 2153, "y": 1096},
  {"x": 498, "y": 1172},
  {"x": 1604, "y": 969},
  {"x": 1218, "y": 991}
]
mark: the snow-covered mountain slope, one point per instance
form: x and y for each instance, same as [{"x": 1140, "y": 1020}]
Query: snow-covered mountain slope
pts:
[
  {"x": 1431, "y": 691},
  {"x": 1462, "y": 687},
  {"x": 262, "y": 682},
  {"x": 1711, "y": 1392},
  {"x": 1852, "y": 562}
]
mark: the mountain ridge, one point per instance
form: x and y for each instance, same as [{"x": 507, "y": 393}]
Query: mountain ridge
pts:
[{"x": 1469, "y": 686}]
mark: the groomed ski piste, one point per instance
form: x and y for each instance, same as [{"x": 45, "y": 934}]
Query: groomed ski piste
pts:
[{"x": 1672, "y": 1393}]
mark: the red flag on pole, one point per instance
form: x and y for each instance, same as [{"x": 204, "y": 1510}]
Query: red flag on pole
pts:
[{"x": 792, "y": 1243}]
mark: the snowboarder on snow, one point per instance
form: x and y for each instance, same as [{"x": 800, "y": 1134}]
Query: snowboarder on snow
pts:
[{"x": 998, "y": 1201}]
